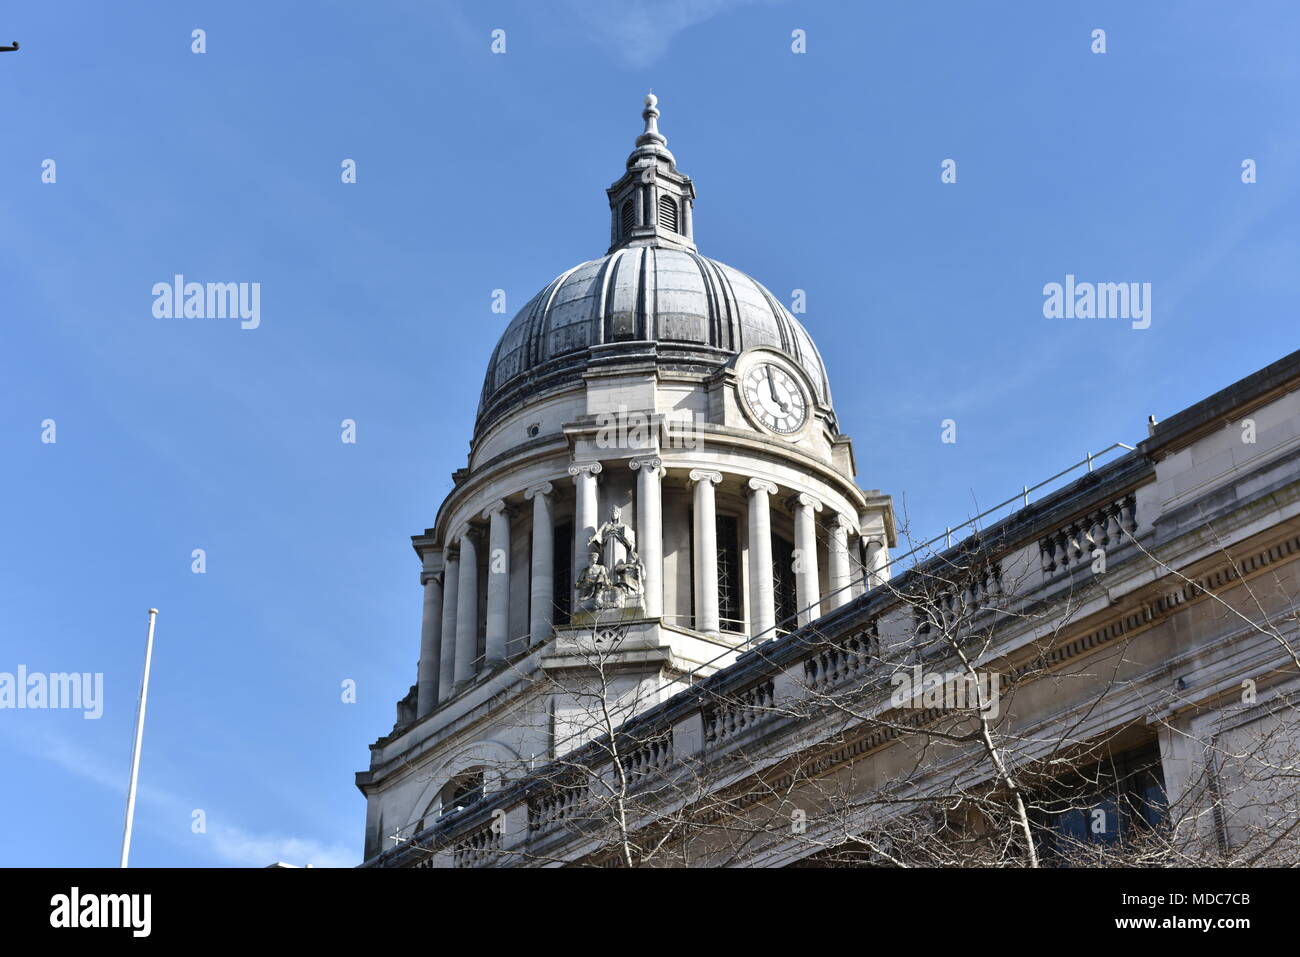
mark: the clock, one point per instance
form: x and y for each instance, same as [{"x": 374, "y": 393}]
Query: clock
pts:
[{"x": 774, "y": 398}]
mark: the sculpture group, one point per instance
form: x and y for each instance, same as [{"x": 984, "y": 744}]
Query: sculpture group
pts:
[{"x": 614, "y": 574}]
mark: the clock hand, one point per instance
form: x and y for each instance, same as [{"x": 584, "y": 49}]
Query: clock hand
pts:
[{"x": 771, "y": 387}]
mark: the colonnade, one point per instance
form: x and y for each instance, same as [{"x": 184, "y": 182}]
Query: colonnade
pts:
[{"x": 449, "y": 635}]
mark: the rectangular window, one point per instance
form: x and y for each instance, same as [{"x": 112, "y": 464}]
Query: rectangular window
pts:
[
  {"x": 783, "y": 590},
  {"x": 562, "y": 573},
  {"x": 731, "y": 599},
  {"x": 731, "y": 596},
  {"x": 1111, "y": 805}
]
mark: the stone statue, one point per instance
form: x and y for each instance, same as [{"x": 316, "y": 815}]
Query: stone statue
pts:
[
  {"x": 613, "y": 549},
  {"x": 613, "y": 537},
  {"x": 628, "y": 577},
  {"x": 594, "y": 579}
]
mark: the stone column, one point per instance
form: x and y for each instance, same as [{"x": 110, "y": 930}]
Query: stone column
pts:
[
  {"x": 650, "y": 530},
  {"x": 498, "y": 583},
  {"x": 467, "y": 608},
  {"x": 585, "y": 516},
  {"x": 426, "y": 685},
  {"x": 706, "y": 551},
  {"x": 542, "y": 587},
  {"x": 1177, "y": 760},
  {"x": 837, "y": 548},
  {"x": 806, "y": 586},
  {"x": 762, "y": 596},
  {"x": 450, "y": 594},
  {"x": 877, "y": 563}
]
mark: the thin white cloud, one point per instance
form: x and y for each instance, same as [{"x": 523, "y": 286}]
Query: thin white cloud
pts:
[
  {"x": 242, "y": 849},
  {"x": 229, "y": 843},
  {"x": 640, "y": 33}
]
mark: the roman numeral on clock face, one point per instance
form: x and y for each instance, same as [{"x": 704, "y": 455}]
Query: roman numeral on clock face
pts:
[{"x": 775, "y": 398}]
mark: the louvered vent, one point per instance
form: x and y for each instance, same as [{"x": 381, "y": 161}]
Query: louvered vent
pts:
[
  {"x": 628, "y": 217},
  {"x": 667, "y": 213}
]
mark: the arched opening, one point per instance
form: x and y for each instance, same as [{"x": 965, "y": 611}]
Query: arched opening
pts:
[
  {"x": 628, "y": 215},
  {"x": 462, "y": 791},
  {"x": 668, "y": 213}
]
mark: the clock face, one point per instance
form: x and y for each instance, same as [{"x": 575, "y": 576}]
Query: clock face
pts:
[{"x": 775, "y": 398}]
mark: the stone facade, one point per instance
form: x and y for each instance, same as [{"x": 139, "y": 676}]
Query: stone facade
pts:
[{"x": 767, "y": 638}]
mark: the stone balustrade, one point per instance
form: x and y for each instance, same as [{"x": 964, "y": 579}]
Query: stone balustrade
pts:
[
  {"x": 728, "y": 719},
  {"x": 481, "y": 848},
  {"x": 836, "y": 662},
  {"x": 1106, "y": 527},
  {"x": 649, "y": 759},
  {"x": 557, "y": 804},
  {"x": 947, "y": 601}
]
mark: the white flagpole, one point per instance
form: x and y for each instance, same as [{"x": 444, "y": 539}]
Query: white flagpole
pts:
[{"x": 139, "y": 737}]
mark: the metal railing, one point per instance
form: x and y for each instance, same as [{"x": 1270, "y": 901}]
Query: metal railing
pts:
[
  {"x": 1023, "y": 497},
  {"x": 789, "y": 624}
]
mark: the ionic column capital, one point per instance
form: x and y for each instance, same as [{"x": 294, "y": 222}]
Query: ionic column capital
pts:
[
  {"x": 758, "y": 485},
  {"x": 804, "y": 500},
  {"x": 542, "y": 488},
  {"x": 427, "y": 576},
  {"x": 653, "y": 465},
  {"x": 837, "y": 520},
  {"x": 705, "y": 475},
  {"x": 590, "y": 468},
  {"x": 499, "y": 507}
]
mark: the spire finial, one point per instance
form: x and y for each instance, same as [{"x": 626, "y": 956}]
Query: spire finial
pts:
[
  {"x": 651, "y": 116},
  {"x": 651, "y": 202}
]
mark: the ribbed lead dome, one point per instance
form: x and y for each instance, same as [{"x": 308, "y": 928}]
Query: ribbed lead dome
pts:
[
  {"x": 674, "y": 307},
  {"x": 651, "y": 299}
]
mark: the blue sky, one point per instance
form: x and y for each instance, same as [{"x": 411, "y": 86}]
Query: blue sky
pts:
[{"x": 477, "y": 171}]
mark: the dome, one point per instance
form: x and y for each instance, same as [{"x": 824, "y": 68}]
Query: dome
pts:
[
  {"x": 674, "y": 307},
  {"x": 652, "y": 298}
]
